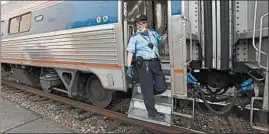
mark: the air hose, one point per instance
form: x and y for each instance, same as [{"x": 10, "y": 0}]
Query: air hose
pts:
[
  {"x": 213, "y": 95},
  {"x": 243, "y": 87},
  {"x": 217, "y": 91},
  {"x": 192, "y": 80},
  {"x": 224, "y": 110}
]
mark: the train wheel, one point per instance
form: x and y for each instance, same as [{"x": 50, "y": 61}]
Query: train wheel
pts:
[{"x": 97, "y": 94}]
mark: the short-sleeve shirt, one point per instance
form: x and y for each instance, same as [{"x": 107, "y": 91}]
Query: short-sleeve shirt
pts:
[{"x": 141, "y": 41}]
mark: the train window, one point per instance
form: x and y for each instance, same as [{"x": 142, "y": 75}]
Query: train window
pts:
[
  {"x": 2, "y": 27},
  {"x": 20, "y": 23},
  {"x": 14, "y": 25},
  {"x": 25, "y": 22},
  {"x": 39, "y": 18}
]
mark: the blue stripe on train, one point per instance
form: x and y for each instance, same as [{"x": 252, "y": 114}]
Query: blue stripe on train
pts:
[
  {"x": 176, "y": 7},
  {"x": 86, "y": 13}
]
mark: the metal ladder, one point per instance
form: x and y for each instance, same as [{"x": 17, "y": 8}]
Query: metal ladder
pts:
[{"x": 259, "y": 51}]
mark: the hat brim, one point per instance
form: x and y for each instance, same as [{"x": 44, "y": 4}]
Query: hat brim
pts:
[{"x": 140, "y": 21}]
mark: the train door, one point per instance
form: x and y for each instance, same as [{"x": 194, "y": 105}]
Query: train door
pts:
[
  {"x": 158, "y": 19},
  {"x": 156, "y": 12},
  {"x": 180, "y": 38}
]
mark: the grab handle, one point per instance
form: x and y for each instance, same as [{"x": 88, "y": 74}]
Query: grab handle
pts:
[
  {"x": 183, "y": 18},
  {"x": 260, "y": 43}
]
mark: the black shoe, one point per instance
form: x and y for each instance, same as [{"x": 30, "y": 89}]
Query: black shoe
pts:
[{"x": 158, "y": 117}]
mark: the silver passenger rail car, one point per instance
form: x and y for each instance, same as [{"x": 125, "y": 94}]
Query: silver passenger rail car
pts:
[{"x": 216, "y": 51}]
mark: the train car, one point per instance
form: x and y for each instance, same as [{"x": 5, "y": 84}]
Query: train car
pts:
[{"x": 216, "y": 51}]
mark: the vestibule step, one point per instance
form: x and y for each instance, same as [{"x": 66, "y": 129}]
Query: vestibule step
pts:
[{"x": 143, "y": 115}]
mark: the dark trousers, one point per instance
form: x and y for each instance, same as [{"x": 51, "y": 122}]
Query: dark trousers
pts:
[{"x": 152, "y": 83}]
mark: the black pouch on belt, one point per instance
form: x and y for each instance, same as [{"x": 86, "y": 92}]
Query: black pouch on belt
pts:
[
  {"x": 138, "y": 65},
  {"x": 139, "y": 61}
]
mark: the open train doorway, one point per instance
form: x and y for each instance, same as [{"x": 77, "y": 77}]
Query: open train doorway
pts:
[
  {"x": 157, "y": 19},
  {"x": 156, "y": 12}
]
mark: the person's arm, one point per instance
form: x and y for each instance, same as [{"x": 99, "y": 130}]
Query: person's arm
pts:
[
  {"x": 129, "y": 59},
  {"x": 164, "y": 37},
  {"x": 159, "y": 38},
  {"x": 131, "y": 51}
]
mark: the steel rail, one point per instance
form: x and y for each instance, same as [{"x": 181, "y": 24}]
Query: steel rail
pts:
[{"x": 99, "y": 111}]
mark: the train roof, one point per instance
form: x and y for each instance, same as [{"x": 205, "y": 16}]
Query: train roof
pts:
[{"x": 13, "y": 8}]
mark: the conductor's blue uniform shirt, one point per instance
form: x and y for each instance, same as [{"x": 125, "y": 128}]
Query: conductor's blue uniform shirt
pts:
[{"x": 142, "y": 48}]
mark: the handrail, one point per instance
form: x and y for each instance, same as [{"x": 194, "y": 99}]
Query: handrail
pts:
[
  {"x": 260, "y": 42},
  {"x": 183, "y": 18},
  {"x": 132, "y": 27},
  {"x": 254, "y": 28}
]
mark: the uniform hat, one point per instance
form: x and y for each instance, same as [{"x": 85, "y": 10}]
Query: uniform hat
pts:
[{"x": 140, "y": 17}]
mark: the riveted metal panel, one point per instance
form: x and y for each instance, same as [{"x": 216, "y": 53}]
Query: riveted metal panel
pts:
[
  {"x": 196, "y": 50},
  {"x": 193, "y": 15},
  {"x": 242, "y": 51},
  {"x": 244, "y": 15},
  {"x": 241, "y": 16}
]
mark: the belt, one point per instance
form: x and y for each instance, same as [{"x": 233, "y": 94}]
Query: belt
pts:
[{"x": 154, "y": 59}]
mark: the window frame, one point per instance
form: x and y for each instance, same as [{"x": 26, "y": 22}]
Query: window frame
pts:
[
  {"x": 37, "y": 17},
  {"x": 20, "y": 17},
  {"x": 30, "y": 19},
  {"x": 9, "y": 28},
  {"x": 2, "y": 28}
]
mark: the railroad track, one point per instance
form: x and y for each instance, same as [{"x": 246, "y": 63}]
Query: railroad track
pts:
[
  {"x": 94, "y": 122},
  {"x": 99, "y": 111}
]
